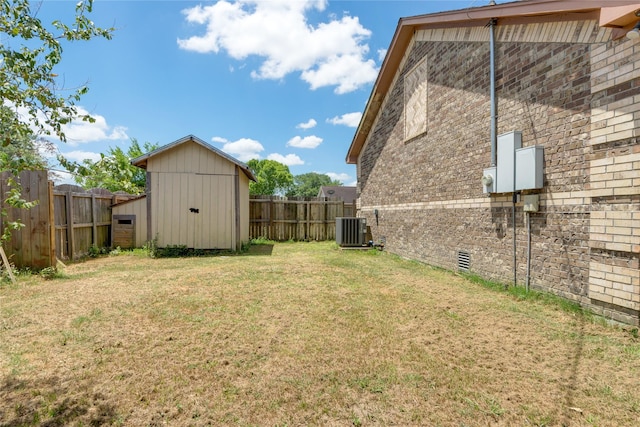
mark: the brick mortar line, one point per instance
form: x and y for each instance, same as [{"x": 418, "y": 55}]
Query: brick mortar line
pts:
[{"x": 483, "y": 202}]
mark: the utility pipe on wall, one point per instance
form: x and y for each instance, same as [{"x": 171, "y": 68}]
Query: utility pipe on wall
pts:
[{"x": 492, "y": 72}]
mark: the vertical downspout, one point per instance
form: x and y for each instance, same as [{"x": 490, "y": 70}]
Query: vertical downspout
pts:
[
  {"x": 492, "y": 71},
  {"x": 494, "y": 126}
]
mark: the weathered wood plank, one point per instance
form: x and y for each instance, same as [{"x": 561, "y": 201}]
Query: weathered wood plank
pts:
[
  {"x": 69, "y": 222},
  {"x": 276, "y": 218},
  {"x": 31, "y": 245}
]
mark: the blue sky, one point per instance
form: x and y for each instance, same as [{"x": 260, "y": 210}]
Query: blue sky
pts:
[{"x": 278, "y": 79}]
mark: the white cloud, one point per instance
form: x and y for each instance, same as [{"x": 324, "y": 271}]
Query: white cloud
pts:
[
  {"x": 350, "y": 119},
  {"x": 289, "y": 159},
  {"x": 330, "y": 53},
  {"x": 342, "y": 177},
  {"x": 310, "y": 141},
  {"x": 349, "y": 71},
  {"x": 81, "y": 132},
  {"x": 308, "y": 125},
  {"x": 243, "y": 149},
  {"x": 79, "y": 156},
  {"x": 381, "y": 54}
]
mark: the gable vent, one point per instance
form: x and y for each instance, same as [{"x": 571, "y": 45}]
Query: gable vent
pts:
[{"x": 464, "y": 260}]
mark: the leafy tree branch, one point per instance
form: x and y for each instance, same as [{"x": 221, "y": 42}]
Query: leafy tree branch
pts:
[
  {"x": 113, "y": 171},
  {"x": 31, "y": 103}
]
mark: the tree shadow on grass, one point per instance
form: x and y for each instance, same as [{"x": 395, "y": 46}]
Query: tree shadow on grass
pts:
[
  {"x": 568, "y": 411},
  {"x": 50, "y": 403}
]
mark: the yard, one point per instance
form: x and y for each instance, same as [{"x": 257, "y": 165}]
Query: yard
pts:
[{"x": 302, "y": 334}]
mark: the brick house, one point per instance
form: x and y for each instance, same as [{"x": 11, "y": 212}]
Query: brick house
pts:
[{"x": 443, "y": 146}]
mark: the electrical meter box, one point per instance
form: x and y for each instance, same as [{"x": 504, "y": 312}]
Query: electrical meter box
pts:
[
  {"x": 531, "y": 203},
  {"x": 489, "y": 181},
  {"x": 508, "y": 143},
  {"x": 529, "y": 165}
]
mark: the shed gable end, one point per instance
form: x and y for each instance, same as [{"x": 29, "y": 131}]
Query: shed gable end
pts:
[{"x": 190, "y": 157}]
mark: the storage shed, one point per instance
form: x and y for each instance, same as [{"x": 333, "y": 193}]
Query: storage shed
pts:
[{"x": 197, "y": 196}]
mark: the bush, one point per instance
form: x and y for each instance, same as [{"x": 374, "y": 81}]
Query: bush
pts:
[
  {"x": 95, "y": 251},
  {"x": 49, "y": 273}
]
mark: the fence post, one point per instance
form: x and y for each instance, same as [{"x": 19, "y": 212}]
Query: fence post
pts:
[
  {"x": 114, "y": 200},
  {"x": 94, "y": 221},
  {"x": 308, "y": 232},
  {"x": 272, "y": 209},
  {"x": 52, "y": 226},
  {"x": 70, "y": 238}
]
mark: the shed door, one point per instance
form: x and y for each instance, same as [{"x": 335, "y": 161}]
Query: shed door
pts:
[
  {"x": 194, "y": 210},
  {"x": 211, "y": 220}
]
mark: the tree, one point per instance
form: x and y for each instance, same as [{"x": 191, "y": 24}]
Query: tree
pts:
[
  {"x": 31, "y": 102},
  {"x": 308, "y": 184},
  {"x": 272, "y": 177},
  {"x": 113, "y": 171},
  {"x": 25, "y": 154}
]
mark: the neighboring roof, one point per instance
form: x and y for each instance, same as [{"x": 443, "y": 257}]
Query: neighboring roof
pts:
[
  {"x": 347, "y": 194},
  {"x": 617, "y": 14},
  {"x": 141, "y": 161}
]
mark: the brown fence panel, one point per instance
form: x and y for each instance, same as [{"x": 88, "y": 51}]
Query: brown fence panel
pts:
[
  {"x": 82, "y": 219},
  {"x": 281, "y": 219},
  {"x": 260, "y": 223},
  {"x": 67, "y": 221},
  {"x": 32, "y": 246}
]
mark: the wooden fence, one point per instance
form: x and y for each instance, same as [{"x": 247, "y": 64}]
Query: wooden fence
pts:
[
  {"x": 82, "y": 219},
  {"x": 281, "y": 219},
  {"x": 67, "y": 221}
]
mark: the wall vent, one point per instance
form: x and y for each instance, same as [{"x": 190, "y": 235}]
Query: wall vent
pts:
[
  {"x": 464, "y": 260},
  {"x": 351, "y": 231}
]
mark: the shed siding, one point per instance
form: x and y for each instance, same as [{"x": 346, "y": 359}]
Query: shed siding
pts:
[
  {"x": 138, "y": 208},
  {"x": 574, "y": 92}
]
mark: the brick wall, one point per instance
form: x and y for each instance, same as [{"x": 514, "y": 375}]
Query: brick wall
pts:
[
  {"x": 614, "y": 186},
  {"x": 567, "y": 88}
]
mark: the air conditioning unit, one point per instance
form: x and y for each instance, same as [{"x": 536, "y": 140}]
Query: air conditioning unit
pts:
[{"x": 351, "y": 231}]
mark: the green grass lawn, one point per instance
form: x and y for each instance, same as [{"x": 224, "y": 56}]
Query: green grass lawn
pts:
[{"x": 302, "y": 334}]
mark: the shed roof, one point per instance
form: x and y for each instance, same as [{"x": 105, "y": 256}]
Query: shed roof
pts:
[
  {"x": 131, "y": 200},
  {"x": 141, "y": 161},
  {"x": 617, "y": 14}
]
